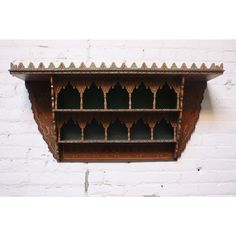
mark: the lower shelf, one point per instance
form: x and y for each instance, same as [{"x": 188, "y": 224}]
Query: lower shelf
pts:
[
  {"x": 117, "y": 151},
  {"x": 115, "y": 141}
]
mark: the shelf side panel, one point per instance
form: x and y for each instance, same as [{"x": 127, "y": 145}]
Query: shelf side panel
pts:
[
  {"x": 193, "y": 96},
  {"x": 40, "y": 97}
]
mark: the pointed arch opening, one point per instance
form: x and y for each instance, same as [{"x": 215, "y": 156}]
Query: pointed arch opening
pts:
[
  {"x": 140, "y": 131},
  {"x": 68, "y": 98},
  {"x": 93, "y": 98},
  {"x": 142, "y": 98},
  {"x": 163, "y": 131},
  {"x": 94, "y": 131},
  {"x": 70, "y": 131},
  {"x": 117, "y": 98},
  {"x": 117, "y": 131},
  {"x": 166, "y": 98}
]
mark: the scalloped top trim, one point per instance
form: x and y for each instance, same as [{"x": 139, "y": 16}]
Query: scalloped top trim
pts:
[{"x": 114, "y": 67}]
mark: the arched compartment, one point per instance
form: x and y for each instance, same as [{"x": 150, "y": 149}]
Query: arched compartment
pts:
[
  {"x": 166, "y": 98},
  {"x": 70, "y": 131},
  {"x": 93, "y": 98},
  {"x": 117, "y": 98},
  {"x": 142, "y": 98},
  {"x": 94, "y": 131},
  {"x": 117, "y": 131},
  {"x": 140, "y": 131},
  {"x": 68, "y": 98},
  {"x": 163, "y": 131}
]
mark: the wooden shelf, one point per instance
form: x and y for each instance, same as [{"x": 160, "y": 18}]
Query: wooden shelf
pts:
[
  {"x": 115, "y": 141},
  {"x": 125, "y": 113},
  {"x": 115, "y": 110}
]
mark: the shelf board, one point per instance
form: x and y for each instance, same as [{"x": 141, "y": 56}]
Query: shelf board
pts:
[
  {"x": 115, "y": 141},
  {"x": 114, "y": 110}
]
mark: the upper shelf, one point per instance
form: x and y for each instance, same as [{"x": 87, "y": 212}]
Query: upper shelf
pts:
[{"x": 32, "y": 73}]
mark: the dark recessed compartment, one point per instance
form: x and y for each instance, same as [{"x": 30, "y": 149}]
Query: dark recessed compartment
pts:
[
  {"x": 142, "y": 98},
  {"x": 94, "y": 131},
  {"x": 117, "y": 98},
  {"x": 70, "y": 131},
  {"x": 93, "y": 98},
  {"x": 163, "y": 131},
  {"x": 68, "y": 98},
  {"x": 117, "y": 131},
  {"x": 140, "y": 131},
  {"x": 166, "y": 98}
]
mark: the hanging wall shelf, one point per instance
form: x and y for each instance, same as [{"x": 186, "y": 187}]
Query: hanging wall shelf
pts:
[{"x": 116, "y": 113}]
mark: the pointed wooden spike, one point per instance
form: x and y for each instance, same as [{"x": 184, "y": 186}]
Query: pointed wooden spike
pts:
[
  {"x": 51, "y": 66},
  {"x": 144, "y": 66},
  {"x": 133, "y": 66},
  {"x": 72, "y": 66},
  {"x": 123, "y": 66},
  {"x": 183, "y": 67},
  {"x": 217, "y": 67},
  {"x": 174, "y": 66},
  {"x": 31, "y": 66},
  {"x": 21, "y": 66},
  {"x": 92, "y": 66},
  {"x": 41, "y": 66},
  {"x": 12, "y": 66},
  {"x": 113, "y": 66},
  {"x": 61, "y": 66},
  {"x": 164, "y": 66},
  {"x": 194, "y": 67},
  {"x": 203, "y": 66},
  {"x": 221, "y": 66},
  {"x": 154, "y": 66},
  {"x": 213, "y": 66},
  {"x": 82, "y": 66},
  {"x": 103, "y": 66}
]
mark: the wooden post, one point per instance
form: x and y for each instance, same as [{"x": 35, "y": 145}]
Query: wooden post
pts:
[
  {"x": 129, "y": 134},
  {"x": 105, "y": 133},
  {"x": 105, "y": 101},
  {"x": 82, "y": 134},
  {"x": 130, "y": 100},
  {"x": 154, "y": 100},
  {"x": 81, "y": 100},
  {"x": 152, "y": 133}
]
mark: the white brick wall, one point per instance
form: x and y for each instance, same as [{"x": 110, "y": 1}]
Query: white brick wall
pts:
[{"x": 207, "y": 166}]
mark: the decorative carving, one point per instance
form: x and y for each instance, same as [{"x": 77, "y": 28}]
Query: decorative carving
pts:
[{"x": 113, "y": 67}]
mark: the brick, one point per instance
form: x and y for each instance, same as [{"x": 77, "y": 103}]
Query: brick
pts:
[
  {"x": 13, "y": 178},
  {"x": 58, "y": 178}
]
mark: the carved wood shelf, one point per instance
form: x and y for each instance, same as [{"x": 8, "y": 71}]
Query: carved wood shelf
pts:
[{"x": 116, "y": 113}]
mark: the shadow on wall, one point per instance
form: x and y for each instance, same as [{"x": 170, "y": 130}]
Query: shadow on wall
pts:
[{"x": 207, "y": 103}]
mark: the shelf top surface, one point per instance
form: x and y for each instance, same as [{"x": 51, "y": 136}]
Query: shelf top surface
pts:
[{"x": 41, "y": 72}]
